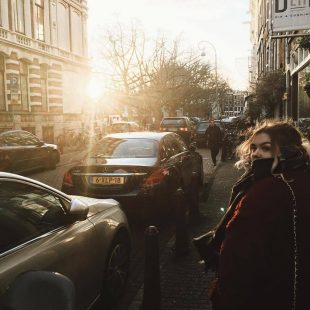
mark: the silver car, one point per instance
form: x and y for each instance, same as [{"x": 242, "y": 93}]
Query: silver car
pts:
[{"x": 85, "y": 239}]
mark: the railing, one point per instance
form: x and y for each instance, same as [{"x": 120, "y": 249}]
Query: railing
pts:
[
  {"x": 21, "y": 40},
  {"x": 3, "y": 33}
]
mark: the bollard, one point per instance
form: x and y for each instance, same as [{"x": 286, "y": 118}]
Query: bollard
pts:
[
  {"x": 151, "y": 293},
  {"x": 194, "y": 199},
  {"x": 181, "y": 235}
]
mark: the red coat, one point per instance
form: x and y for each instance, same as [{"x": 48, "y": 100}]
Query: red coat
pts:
[{"x": 256, "y": 267}]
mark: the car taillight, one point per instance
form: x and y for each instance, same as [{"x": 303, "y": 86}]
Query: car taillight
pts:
[
  {"x": 67, "y": 178},
  {"x": 184, "y": 129},
  {"x": 162, "y": 129},
  {"x": 155, "y": 178}
]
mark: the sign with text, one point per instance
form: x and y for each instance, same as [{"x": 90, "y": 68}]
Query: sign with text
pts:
[{"x": 289, "y": 15}]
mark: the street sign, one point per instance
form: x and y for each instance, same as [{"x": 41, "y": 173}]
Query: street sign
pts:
[{"x": 290, "y": 15}]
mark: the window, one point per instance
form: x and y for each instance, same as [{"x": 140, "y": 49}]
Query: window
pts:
[
  {"x": 19, "y": 16},
  {"x": 39, "y": 17},
  {"x": 63, "y": 32},
  {"x": 2, "y": 89},
  {"x": 27, "y": 212},
  {"x": 76, "y": 32},
  {"x": 24, "y": 86}
]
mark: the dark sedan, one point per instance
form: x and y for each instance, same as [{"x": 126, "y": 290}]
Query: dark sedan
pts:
[
  {"x": 84, "y": 239},
  {"x": 180, "y": 125},
  {"x": 142, "y": 169},
  {"x": 22, "y": 151}
]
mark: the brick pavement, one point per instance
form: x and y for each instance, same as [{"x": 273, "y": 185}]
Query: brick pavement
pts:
[{"x": 184, "y": 285}]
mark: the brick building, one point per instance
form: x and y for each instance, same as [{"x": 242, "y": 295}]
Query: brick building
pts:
[{"x": 43, "y": 65}]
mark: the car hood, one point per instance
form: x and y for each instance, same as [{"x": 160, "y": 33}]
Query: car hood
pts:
[
  {"x": 97, "y": 205},
  {"x": 119, "y": 161}
]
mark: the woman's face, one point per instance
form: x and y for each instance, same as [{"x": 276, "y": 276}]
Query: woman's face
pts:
[{"x": 261, "y": 147}]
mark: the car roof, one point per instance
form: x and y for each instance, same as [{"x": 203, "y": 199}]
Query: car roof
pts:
[
  {"x": 155, "y": 135},
  {"x": 12, "y": 131},
  {"x": 13, "y": 176}
]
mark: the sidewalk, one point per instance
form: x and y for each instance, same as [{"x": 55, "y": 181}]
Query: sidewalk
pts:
[{"x": 184, "y": 284}]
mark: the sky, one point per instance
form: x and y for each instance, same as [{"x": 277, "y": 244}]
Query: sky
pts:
[{"x": 223, "y": 24}]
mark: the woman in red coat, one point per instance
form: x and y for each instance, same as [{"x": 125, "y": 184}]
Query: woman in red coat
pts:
[{"x": 264, "y": 260}]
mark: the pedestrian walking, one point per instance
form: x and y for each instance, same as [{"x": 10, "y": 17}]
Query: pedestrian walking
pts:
[
  {"x": 61, "y": 143},
  {"x": 263, "y": 239},
  {"x": 214, "y": 140}
]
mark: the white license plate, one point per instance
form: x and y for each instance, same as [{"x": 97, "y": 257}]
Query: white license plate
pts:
[
  {"x": 107, "y": 180},
  {"x": 172, "y": 129}
]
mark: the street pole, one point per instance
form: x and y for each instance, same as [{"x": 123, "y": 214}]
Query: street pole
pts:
[{"x": 202, "y": 47}]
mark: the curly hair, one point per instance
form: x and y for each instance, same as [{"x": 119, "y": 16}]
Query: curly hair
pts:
[{"x": 281, "y": 133}]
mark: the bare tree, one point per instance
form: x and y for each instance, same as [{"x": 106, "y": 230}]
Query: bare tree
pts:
[{"x": 154, "y": 75}]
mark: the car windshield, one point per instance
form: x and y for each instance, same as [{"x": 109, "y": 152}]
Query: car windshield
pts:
[
  {"x": 125, "y": 148},
  {"x": 202, "y": 126},
  {"x": 174, "y": 121}
]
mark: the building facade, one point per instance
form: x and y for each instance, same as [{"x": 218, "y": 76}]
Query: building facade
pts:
[
  {"x": 43, "y": 66},
  {"x": 235, "y": 103},
  {"x": 272, "y": 51}
]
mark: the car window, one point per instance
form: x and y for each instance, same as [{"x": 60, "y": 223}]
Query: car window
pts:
[
  {"x": 167, "y": 149},
  {"x": 202, "y": 126},
  {"x": 181, "y": 144},
  {"x": 174, "y": 122},
  {"x": 125, "y": 148},
  {"x": 27, "y": 212},
  {"x": 173, "y": 145},
  {"x": 28, "y": 138},
  {"x": 11, "y": 139}
]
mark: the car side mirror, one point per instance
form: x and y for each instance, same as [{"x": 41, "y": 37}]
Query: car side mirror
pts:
[{"x": 78, "y": 210}]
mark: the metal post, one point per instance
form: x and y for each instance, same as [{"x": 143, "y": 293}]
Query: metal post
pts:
[{"x": 151, "y": 294}]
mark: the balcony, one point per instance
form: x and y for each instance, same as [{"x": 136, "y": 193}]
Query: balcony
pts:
[{"x": 39, "y": 47}]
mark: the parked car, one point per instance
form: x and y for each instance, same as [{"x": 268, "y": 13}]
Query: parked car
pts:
[
  {"x": 199, "y": 135},
  {"x": 84, "y": 239},
  {"x": 22, "y": 151},
  {"x": 180, "y": 125},
  {"x": 123, "y": 127},
  {"x": 142, "y": 170}
]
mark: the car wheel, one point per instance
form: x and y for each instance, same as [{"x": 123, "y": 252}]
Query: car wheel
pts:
[
  {"x": 52, "y": 160},
  {"x": 117, "y": 269}
]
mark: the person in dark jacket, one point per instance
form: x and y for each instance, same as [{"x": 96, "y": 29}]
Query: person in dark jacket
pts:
[
  {"x": 214, "y": 140},
  {"x": 264, "y": 247}
]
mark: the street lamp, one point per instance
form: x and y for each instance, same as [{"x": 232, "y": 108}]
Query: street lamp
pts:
[{"x": 202, "y": 45}]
